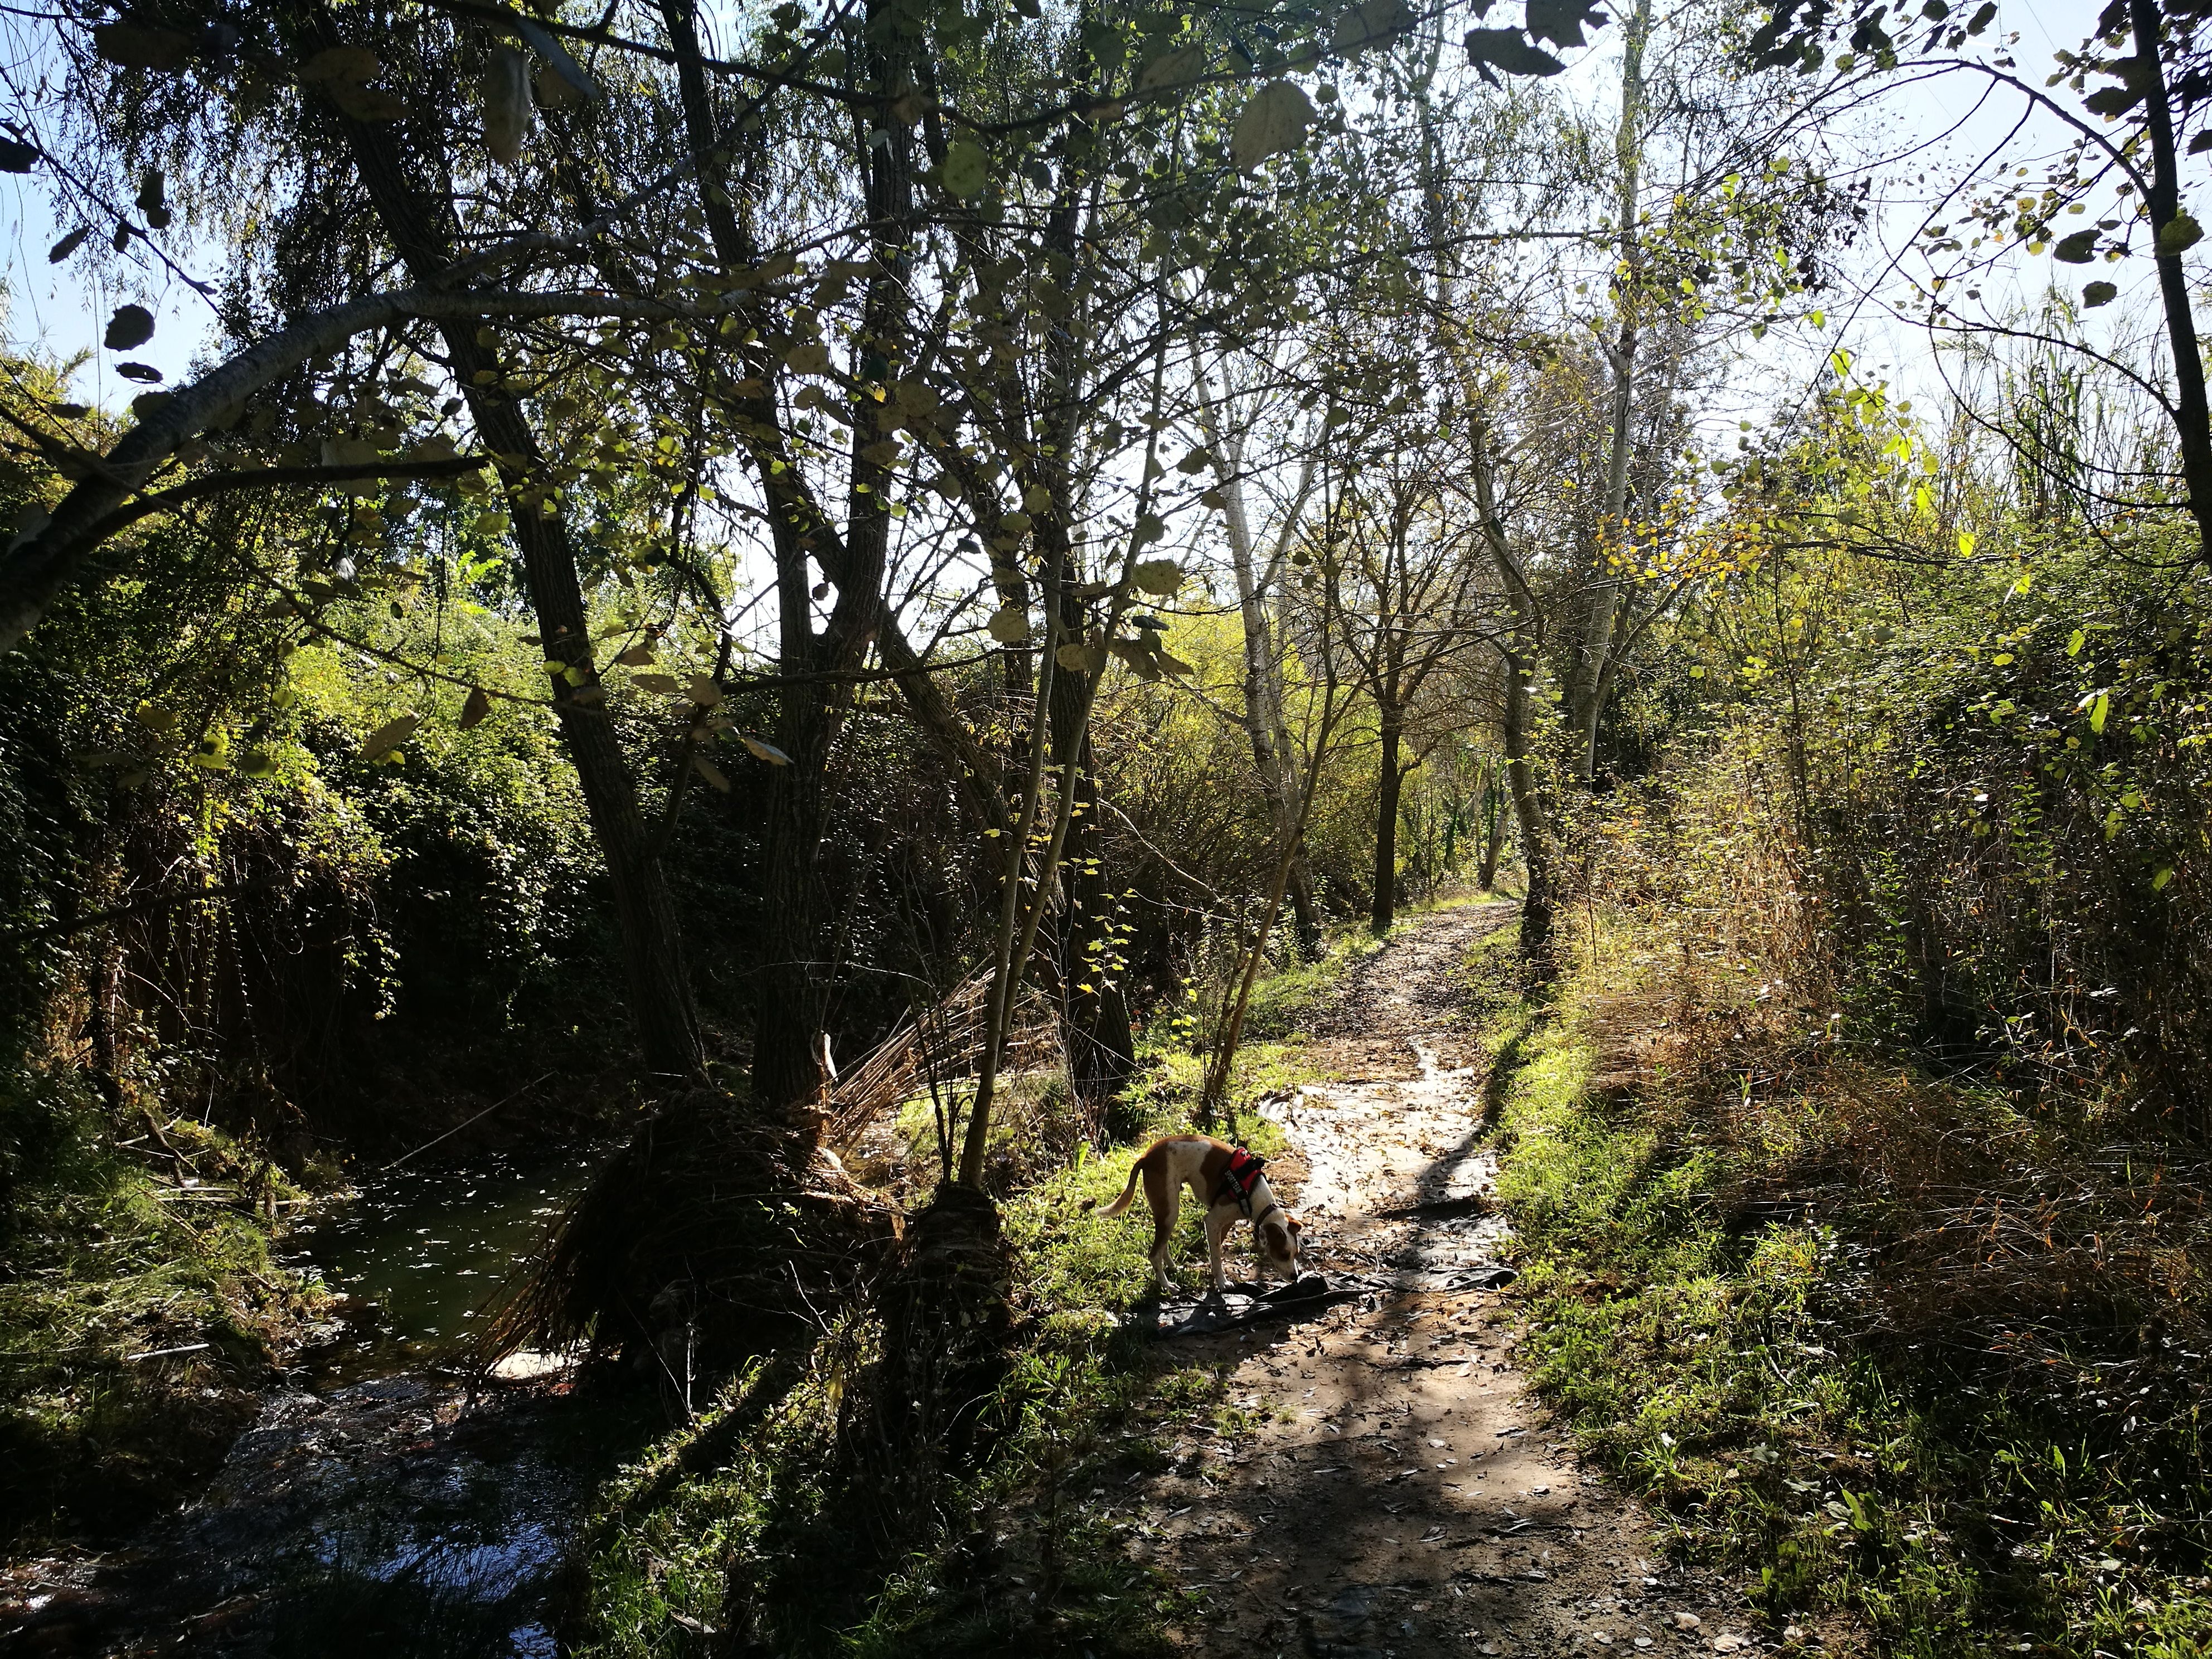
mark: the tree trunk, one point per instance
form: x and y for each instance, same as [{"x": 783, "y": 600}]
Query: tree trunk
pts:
[
  {"x": 792, "y": 997},
  {"x": 1390, "y": 783},
  {"x": 1537, "y": 905},
  {"x": 1522, "y": 652},
  {"x": 659, "y": 991},
  {"x": 1266, "y": 722},
  {"x": 1590, "y": 679},
  {"x": 1494, "y": 828},
  {"x": 1101, "y": 1048},
  {"x": 2191, "y": 420}
]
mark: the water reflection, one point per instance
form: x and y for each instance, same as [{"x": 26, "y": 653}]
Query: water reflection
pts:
[
  {"x": 385, "y": 1509},
  {"x": 421, "y": 1250}
]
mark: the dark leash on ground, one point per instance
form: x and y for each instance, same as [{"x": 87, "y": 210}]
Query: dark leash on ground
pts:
[{"x": 1240, "y": 1305}]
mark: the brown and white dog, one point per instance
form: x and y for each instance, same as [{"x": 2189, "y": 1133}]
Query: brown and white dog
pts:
[{"x": 1198, "y": 1161}]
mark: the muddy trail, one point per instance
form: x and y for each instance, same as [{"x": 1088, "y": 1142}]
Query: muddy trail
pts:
[{"x": 1405, "y": 1495}]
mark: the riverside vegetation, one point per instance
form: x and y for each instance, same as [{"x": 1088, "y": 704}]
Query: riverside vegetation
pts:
[{"x": 819, "y": 618}]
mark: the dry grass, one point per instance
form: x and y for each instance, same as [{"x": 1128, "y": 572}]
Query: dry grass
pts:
[
  {"x": 1984, "y": 1305},
  {"x": 2020, "y": 1242}
]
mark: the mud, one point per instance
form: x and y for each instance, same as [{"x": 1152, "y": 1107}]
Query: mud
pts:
[{"x": 1406, "y": 1495}]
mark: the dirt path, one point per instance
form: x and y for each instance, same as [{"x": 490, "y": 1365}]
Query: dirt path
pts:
[{"x": 1405, "y": 1497}]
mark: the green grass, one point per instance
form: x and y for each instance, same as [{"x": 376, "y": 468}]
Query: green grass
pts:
[
  {"x": 99, "y": 1273},
  {"x": 1282, "y": 1002},
  {"x": 1869, "y": 1498}
]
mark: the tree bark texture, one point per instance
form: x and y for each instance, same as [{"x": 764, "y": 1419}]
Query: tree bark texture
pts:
[{"x": 1389, "y": 785}]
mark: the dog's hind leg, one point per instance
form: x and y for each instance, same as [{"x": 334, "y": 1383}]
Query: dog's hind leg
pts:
[{"x": 1164, "y": 1194}]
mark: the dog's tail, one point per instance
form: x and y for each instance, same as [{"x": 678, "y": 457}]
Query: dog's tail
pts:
[{"x": 1128, "y": 1192}]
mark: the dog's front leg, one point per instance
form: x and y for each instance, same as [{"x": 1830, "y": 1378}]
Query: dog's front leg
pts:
[{"x": 1218, "y": 1224}]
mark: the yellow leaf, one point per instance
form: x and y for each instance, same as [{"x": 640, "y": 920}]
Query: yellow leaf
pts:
[{"x": 1158, "y": 576}]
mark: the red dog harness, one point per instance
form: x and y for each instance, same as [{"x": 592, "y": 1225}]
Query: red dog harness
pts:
[{"x": 1238, "y": 1179}]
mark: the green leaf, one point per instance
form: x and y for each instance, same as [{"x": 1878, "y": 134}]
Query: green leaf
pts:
[
  {"x": 1157, "y": 576},
  {"x": 1372, "y": 24},
  {"x": 1509, "y": 50},
  {"x": 1273, "y": 119},
  {"x": 714, "y": 774},
  {"x": 2074, "y": 645},
  {"x": 2099, "y": 711},
  {"x": 2099, "y": 294},
  {"x": 966, "y": 169},
  {"x": 134, "y": 48},
  {"x": 389, "y": 736},
  {"x": 130, "y": 326},
  {"x": 1967, "y": 541},
  {"x": 2181, "y": 233},
  {"x": 68, "y": 245},
  {"x": 1178, "y": 68},
  {"x": 1560, "y": 21},
  {"x": 2076, "y": 250}
]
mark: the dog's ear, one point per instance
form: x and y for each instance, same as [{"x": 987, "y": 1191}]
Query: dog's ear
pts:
[{"x": 1296, "y": 1226}]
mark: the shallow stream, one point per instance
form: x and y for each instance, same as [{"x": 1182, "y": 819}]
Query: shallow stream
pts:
[
  {"x": 378, "y": 1505},
  {"x": 418, "y": 1252}
]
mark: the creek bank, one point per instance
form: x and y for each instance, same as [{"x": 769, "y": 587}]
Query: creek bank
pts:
[{"x": 375, "y": 1504}]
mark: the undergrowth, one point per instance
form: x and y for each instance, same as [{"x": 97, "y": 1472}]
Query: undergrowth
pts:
[
  {"x": 1025, "y": 1555},
  {"x": 1779, "y": 1286},
  {"x": 137, "y": 1312}
]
